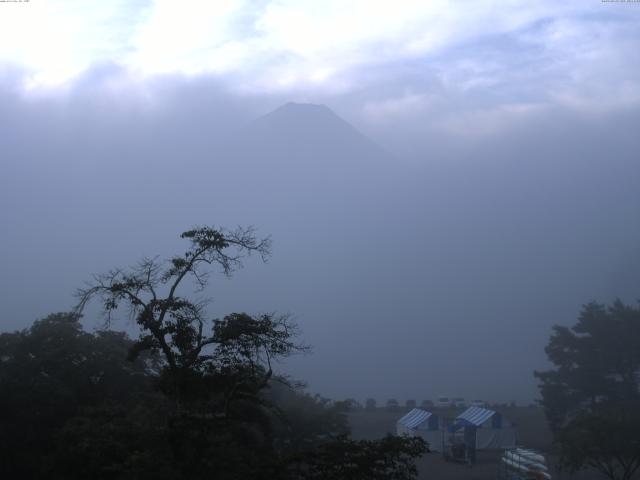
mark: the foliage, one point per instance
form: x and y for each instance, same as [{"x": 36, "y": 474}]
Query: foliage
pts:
[
  {"x": 391, "y": 458},
  {"x": 172, "y": 324},
  {"x": 48, "y": 375},
  {"x": 304, "y": 421},
  {"x": 215, "y": 370},
  {"x": 109, "y": 441},
  {"x": 190, "y": 398},
  {"x": 592, "y": 397},
  {"x": 606, "y": 439}
]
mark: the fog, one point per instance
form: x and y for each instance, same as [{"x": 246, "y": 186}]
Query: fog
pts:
[
  {"x": 442, "y": 182},
  {"x": 433, "y": 269}
]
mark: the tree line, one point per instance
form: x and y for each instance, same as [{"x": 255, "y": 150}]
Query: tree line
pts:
[
  {"x": 193, "y": 397},
  {"x": 592, "y": 395},
  {"x": 189, "y": 398}
]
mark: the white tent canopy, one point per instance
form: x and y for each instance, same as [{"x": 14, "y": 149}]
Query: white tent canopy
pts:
[
  {"x": 421, "y": 423},
  {"x": 492, "y": 430}
]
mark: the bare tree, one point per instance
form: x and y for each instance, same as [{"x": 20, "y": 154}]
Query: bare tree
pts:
[{"x": 235, "y": 353}]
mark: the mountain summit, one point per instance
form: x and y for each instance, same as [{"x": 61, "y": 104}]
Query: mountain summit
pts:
[
  {"x": 301, "y": 109},
  {"x": 305, "y": 158},
  {"x": 304, "y": 128},
  {"x": 304, "y": 116}
]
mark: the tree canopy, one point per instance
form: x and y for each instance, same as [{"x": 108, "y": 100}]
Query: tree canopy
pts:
[
  {"x": 592, "y": 396},
  {"x": 191, "y": 398},
  {"x": 51, "y": 375}
]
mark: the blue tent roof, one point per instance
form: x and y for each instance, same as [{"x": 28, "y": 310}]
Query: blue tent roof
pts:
[
  {"x": 475, "y": 415},
  {"x": 415, "y": 418}
]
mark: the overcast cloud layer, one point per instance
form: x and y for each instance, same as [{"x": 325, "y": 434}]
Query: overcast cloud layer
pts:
[{"x": 509, "y": 195}]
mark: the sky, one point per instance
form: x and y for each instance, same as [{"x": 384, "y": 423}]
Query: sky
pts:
[{"x": 509, "y": 128}]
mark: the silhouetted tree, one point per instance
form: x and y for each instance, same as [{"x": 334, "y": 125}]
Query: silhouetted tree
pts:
[
  {"x": 214, "y": 371},
  {"x": 50, "y": 375},
  {"x": 391, "y": 458},
  {"x": 592, "y": 397},
  {"x": 304, "y": 421},
  {"x": 410, "y": 404},
  {"x": 175, "y": 325},
  {"x": 351, "y": 404},
  {"x": 215, "y": 374}
]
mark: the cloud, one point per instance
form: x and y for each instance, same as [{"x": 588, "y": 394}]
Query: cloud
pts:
[
  {"x": 235, "y": 35},
  {"x": 437, "y": 66},
  {"x": 489, "y": 121},
  {"x": 190, "y": 38},
  {"x": 509, "y": 176},
  {"x": 405, "y": 106},
  {"x": 56, "y": 41}
]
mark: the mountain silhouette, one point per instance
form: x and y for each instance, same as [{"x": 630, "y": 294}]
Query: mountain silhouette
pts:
[
  {"x": 303, "y": 128},
  {"x": 306, "y": 157}
]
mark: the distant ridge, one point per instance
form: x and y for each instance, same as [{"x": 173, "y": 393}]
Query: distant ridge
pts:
[
  {"x": 314, "y": 126},
  {"x": 303, "y": 154},
  {"x": 293, "y": 110}
]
